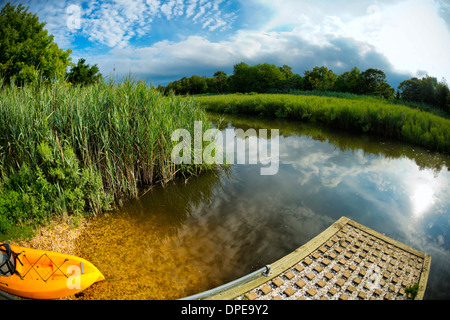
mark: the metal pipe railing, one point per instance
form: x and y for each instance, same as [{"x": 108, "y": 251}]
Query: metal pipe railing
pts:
[
  {"x": 7, "y": 296},
  {"x": 265, "y": 271}
]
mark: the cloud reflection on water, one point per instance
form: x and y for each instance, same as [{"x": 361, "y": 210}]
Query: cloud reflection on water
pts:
[
  {"x": 220, "y": 226},
  {"x": 403, "y": 193}
]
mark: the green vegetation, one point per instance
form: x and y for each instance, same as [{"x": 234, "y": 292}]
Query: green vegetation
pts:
[
  {"x": 56, "y": 185},
  {"x": 77, "y": 147},
  {"x": 426, "y": 90},
  {"x": 79, "y": 150},
  {"x": 359, "y": 115},
  {"x": 267, "y": 78},
  {"x": 412, "y": 291},
  {"x": 83, "y": 74},
  {"x": 342, "y": 140},
  {"x": 71, "y": 143},
  {"x": 27, "y": 52}
]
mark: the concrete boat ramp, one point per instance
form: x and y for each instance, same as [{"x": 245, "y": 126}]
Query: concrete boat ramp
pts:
[{"x": 347, "y": 261}]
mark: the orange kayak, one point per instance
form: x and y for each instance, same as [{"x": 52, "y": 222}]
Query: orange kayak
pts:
[{"x": 48, "y": 275}]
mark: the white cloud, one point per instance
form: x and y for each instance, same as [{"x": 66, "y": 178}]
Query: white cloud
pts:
[
  {"x": 154, "y": 6},
  {"x": 412, "y": 34},
  {"x": 167, "y": 8},
  {"x": 218, "y": 23},
  {"x": 198, "y": 55},
  {"x": 414, "y": 37},
  {"x": 191, "y": 8},
  {"x": 115, "y": 23},
  {"x": 201, "y": 11}
]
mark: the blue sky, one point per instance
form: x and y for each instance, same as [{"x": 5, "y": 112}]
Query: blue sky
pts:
[{"x": 164, "y": 40}]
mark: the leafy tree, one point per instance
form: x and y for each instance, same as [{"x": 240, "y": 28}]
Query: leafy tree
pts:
[
  {"x": 184, "y": 85},
  {"x": 242, "y": 78},
  {"x": 349, "y": 81},
  {"x": 83, "y": 74},
  {"x": 291, "y": 80},
  {"x": 212, "y": 85},
  {"x": 287, "y": 71},
  {"x": 197, "y": 85},
  {"x": 295, "y": 82},
  {"x": 161, "y": 89},
  {"x": 179, "y": 86},
  {"x": 26, "y": 49},
  {"x": 426, "y": 90},
  {"x": 257, "y": 78},
  {"x": 320, "y": 78},
  {"x": 221, "y": 81},
  {"x": 371, "y": 79},
  {"x": 409, "y": 90},
  {"x": 218, "y": 83},
  {"x": 268, "y": 76},
  {"x": 443, "y": 96},
  {"x": 373, "y": 82},
  {"x": 192, "y": 85},
  {"x": 385, "y": 90}
]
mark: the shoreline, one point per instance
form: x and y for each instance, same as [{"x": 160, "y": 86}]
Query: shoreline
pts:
[
  {"x": 59, "y": 235},
  {"x": 400, "y": 122}
]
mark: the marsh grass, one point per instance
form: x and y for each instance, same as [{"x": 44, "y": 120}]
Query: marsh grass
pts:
[
  {"x": 95, "y": 145},
  {"x": 359, "y": 115}
]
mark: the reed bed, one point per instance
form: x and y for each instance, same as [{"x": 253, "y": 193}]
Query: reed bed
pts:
[
  {"x": 359, "y": 115},
  {"x": 94, "y": 146}
]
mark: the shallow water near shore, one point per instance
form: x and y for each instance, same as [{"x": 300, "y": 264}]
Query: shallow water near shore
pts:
[{"x": 188, "y": 237}]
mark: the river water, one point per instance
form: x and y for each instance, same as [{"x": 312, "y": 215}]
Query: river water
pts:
[{"x": 188, "y": 237}]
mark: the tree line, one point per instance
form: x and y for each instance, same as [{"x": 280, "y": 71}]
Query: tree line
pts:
[{"x": 269, "y": 78}]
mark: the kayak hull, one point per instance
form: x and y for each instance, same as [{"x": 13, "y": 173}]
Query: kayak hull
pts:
[{"x": 49, "y": 275}]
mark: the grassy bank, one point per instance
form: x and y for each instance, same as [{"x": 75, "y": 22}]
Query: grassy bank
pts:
[
  {"x": 359, "y": 115},
  {"x": 81, "y": 150}
]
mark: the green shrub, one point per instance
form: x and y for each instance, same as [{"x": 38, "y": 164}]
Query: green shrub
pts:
[{"x": 55, "y": 186}]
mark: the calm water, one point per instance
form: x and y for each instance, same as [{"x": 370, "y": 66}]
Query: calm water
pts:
[{"x": 190, "y": 237}]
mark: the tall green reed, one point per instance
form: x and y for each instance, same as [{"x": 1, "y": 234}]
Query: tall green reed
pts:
[{"x": 119, "y": 131}]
